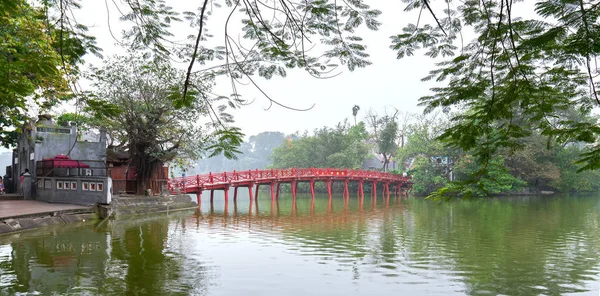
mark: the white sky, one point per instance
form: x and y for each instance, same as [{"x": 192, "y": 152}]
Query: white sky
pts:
[{"x": 388, "y": 82}]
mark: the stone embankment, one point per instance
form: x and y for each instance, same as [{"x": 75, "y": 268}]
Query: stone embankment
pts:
[{"x": 20, "y": 215}]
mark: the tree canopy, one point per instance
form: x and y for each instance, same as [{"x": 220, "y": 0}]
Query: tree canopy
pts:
[
  {"x": 516, "y": 77},
  {"x": 38, "y": 56},
  {"x": 384, "y": 132},
  {"x": 343, "y": 146},
  {"x": 138, "y": 101}
]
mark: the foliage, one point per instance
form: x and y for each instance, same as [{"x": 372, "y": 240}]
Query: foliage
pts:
[
  {"x": 151, "y": 120},
  {"x": 341, "y": 147},
  {"x": 534, "y": 163},
  {"x": 517, "y": 75},
  {"x": 570, "y": 180},
  {"x": 538, "y": 165},
  {"x": 419, "y": 152},
  {"x": 427, "y": 176},
  {"x": 384, "y": 130},
  {"x": 37, "y": 57}
]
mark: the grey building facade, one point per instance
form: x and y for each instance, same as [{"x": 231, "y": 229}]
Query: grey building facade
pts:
[{"x": 46, "y": 139}]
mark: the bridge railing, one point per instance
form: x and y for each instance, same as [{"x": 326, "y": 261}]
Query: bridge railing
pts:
[{"x": 209, "y": 179}]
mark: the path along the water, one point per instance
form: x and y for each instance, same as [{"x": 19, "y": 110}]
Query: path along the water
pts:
[{"x": 19, "y": 208}]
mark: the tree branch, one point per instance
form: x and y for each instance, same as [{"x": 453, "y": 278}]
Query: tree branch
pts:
[{"x": 189, "y": 71}]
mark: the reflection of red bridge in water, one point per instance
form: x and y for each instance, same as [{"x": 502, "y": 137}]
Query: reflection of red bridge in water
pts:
[{"x": 275, "y": 177}]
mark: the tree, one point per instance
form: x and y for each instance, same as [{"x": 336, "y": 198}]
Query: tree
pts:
[
  {"x": 385, "y": 132},
  {"x": 341, "y": 147},
  {"x": 149, "y": 118},
  {"x": 39, "y": 60},
  {"x": 421, "y": 150},
  {"x": 355, "y": 110},
  {"x": 515, "y": 76}
]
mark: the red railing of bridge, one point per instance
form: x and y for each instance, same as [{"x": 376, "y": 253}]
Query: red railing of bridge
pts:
[{"x": 241, "y": 178}]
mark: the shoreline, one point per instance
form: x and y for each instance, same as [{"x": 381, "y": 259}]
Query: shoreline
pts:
[{"x": 121, "y": 207}]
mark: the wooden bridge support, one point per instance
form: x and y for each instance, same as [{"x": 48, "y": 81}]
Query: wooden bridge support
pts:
[
  {"x": 212, "y": 195},
  {"x": 226, "y": 192},
  {"x": 329, "y": 182},
  {"x": 235, "y": 189},
  {"x": 199, "y": 197},
  {"x": 277, "y": 190},
  {"x": 374, "y": 189},
  {"x": 361, "y": 192},
  {"x": 250, "y": 193},
  {"x": 312, "y": 189},
  {"x": 256, "y": 191},
  {"x": 272, "y": 190},
  {"x": 294, "y": 188},
  {"x": 346, "y": 192},
  {"x": 386, "y": 188}
]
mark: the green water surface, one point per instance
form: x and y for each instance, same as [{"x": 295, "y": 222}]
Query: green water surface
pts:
[{"x": 502, "y": 246}]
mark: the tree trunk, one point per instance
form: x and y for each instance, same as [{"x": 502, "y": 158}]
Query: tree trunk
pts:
[
  {"x": 386, "y": 161},
  {"x": 141, "y": 187}
]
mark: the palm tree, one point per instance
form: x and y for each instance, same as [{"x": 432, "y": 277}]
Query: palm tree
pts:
[{"x": 355, "y": 112}]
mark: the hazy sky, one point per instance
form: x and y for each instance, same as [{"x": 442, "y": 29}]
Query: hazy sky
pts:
[{"x": 387, "y": 82}]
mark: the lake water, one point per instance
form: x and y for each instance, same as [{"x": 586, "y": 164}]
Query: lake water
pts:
[{"x": 506, "y": 246}]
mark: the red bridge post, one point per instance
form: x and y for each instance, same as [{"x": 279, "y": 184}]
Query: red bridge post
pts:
[
  {"x": 361, "y": 192},
  {"x": 235, "y": 189},
  {"x": 294, "y": 187},
  {"x": 312, "y": 188},
  {"x": 387, "y": 190},
  {"x": 226, "y": 192},
  {"x": 250, "y": 192},
  {"x": 346, "y": 193},
  {"x": 272, "y": 190},
  {"x": 374, "y": 189},
  {"x": 329, "y": 182}
]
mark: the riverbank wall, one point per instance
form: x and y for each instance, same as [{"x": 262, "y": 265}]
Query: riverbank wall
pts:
[
  {"x": 121, "y": 206},
  {"x": 127, "y": 205}
]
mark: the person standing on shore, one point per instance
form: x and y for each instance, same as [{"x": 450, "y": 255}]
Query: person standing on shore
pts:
[{"x": 22, "y": 178}]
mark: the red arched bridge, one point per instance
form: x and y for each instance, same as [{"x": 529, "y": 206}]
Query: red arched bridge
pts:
[{"x": 275, "y": 177}]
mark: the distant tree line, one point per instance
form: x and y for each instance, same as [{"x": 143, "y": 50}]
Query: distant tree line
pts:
[{"x": 537, "y": 164}]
